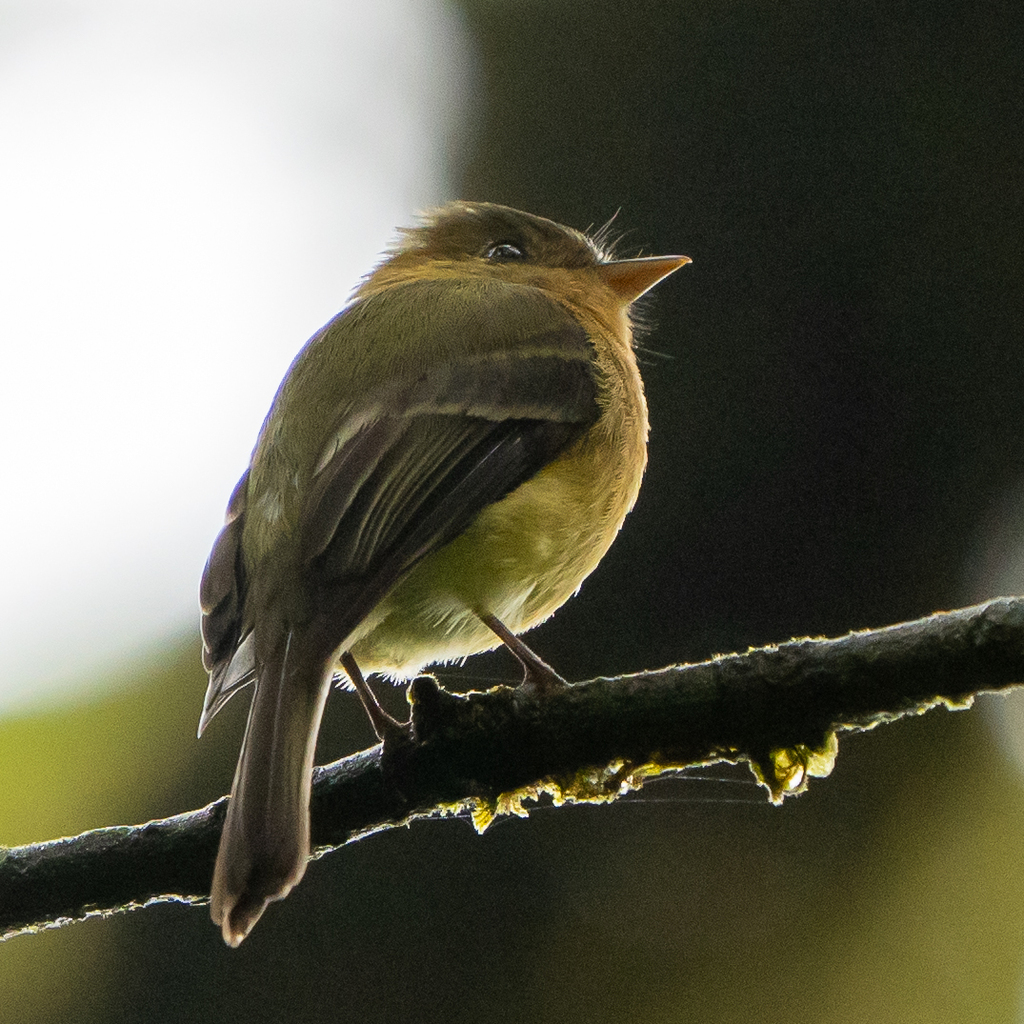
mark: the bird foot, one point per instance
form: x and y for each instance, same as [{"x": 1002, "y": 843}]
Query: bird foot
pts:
[
  {"x": 538, "y": 675},
  {"x": 389, "y": 730}
]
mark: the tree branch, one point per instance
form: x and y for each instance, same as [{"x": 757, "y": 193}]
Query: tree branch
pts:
[{"x": 778, "y": 708}]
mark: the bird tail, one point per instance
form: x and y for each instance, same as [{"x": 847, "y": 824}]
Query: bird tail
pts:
[{"x": 265, "y": 843}]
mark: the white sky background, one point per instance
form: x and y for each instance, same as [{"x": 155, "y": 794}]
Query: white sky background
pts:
[{"x": 188, "y": 190}]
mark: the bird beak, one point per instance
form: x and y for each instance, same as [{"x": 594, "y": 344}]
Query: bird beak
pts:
[{"x": 629, "y": 279}]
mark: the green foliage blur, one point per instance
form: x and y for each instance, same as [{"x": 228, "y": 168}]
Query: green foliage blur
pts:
[{"x": 837, "y": 406}]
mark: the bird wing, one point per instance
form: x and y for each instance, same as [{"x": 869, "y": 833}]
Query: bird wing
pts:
[{"x": 498, "y": 386}]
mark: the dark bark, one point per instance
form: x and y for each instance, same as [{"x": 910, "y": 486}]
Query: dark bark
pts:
[{"x": 779, "y": 708}]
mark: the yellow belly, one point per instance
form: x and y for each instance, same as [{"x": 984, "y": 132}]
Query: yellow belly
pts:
[{"x": 520, "y": 559}]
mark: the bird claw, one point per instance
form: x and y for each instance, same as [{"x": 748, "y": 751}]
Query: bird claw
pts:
[
  {"x": 538, "y": 676},
  {"x": 543, "y": 681},
  {"x": 389, "y": 730}
]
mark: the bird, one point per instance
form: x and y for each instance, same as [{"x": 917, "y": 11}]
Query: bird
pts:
[{"x": 442, "y": 466}]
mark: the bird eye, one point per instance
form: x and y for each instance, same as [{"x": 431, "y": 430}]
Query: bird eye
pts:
[{"x": 503, "y": 252}]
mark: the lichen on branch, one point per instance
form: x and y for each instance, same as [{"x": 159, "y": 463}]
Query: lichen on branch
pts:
[{"x": 779, "y": 708}]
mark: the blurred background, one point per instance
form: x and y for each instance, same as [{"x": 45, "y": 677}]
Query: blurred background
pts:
[{"x": 189, "y": 190}]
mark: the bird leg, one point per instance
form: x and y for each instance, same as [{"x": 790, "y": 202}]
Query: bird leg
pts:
[
  {"x": 537, "y": 673},
  {"x": 386, "y": 727}
]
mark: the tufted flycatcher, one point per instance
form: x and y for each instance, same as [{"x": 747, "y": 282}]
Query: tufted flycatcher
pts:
[{"x": 443, "y": 465}]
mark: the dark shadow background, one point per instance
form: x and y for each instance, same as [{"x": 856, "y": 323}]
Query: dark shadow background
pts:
[{"x": 837, "y": 407}]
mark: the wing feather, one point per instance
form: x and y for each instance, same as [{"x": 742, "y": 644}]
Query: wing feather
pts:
[{"x": 406, "y": 466}]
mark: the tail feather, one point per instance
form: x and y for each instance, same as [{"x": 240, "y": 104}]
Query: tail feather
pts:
[{"x": 265, "y": 843}]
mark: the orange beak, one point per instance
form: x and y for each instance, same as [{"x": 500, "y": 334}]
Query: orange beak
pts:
[{"x": 629, "y": 279}]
